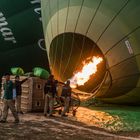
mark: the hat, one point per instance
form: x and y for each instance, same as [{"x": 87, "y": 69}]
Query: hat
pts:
[
  {"x": 17, "y": 76},
  {"x": 6, "y": 74}
]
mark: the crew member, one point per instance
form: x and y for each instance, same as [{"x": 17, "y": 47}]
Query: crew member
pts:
[
  {"x": 18, "y": 88},
  {"x": 8, "y": 102},
  {"x": 66, "y": 96},
  {"x": 50, "y": 92}
]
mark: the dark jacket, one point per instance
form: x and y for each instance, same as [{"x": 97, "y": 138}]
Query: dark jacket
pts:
[
  {"x": 50, "y": 87},
  {"x": 66, "y": 91},
  {"x": 8, "y": 90},
  {"x": 18, "y": 86}
]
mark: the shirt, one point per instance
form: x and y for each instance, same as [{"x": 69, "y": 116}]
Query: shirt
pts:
[
  {"x": 18, "y": 86},
  {"x": 50, "y": 87},
  {"x": 66, "y": 91},
  {"x": 8, "y": 90}
]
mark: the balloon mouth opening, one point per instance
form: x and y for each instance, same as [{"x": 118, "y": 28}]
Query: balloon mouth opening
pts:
[{"x": 69, "y": 53}]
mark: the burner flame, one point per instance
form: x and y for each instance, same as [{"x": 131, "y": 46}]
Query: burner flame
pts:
[{"x": 90, "y": 68}]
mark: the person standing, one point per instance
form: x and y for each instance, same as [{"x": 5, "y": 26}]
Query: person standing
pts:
[
  {"x": 18, "y": 89},
  {"x": 66, "y": 96},
  {"x": 50, "y": 92},
  {"x": 8, "y": 102}
]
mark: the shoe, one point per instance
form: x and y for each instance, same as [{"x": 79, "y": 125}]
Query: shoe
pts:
[
  {"x": 50, "y": 115},
  {"x": 2, "y": 121},
  {"x": 64, "y": 115},
  {"x": 16, "y": 121},
  {"x": 59, "y": 111},
  {"x": 21, "y": 112}
]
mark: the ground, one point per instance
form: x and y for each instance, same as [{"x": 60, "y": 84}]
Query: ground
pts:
[{"x": 84, "y": 126}]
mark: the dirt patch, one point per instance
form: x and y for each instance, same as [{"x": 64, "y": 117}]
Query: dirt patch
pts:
[
  {"x": 99, "y": 119},
  {"x": 87, "y": 125}
]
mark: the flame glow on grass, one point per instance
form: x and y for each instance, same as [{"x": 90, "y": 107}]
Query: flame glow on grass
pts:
[{"x": 90, "y": 68}]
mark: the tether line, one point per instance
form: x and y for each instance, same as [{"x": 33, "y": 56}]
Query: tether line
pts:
[
  {"x": 63, "y": 39},
  {"x": 84, "y": 38},
  {"x": 70, "y": 54},
  {"x": 57, "y": 41}
]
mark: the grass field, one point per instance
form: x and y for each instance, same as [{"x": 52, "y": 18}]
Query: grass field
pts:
[{"x": 115, "y": 118}]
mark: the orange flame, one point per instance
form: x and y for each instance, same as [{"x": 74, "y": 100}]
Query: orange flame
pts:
[{"x": 80, "y": 78}]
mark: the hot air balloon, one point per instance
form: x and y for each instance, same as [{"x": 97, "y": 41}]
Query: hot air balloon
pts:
[{"x": 76, "y": 30}]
